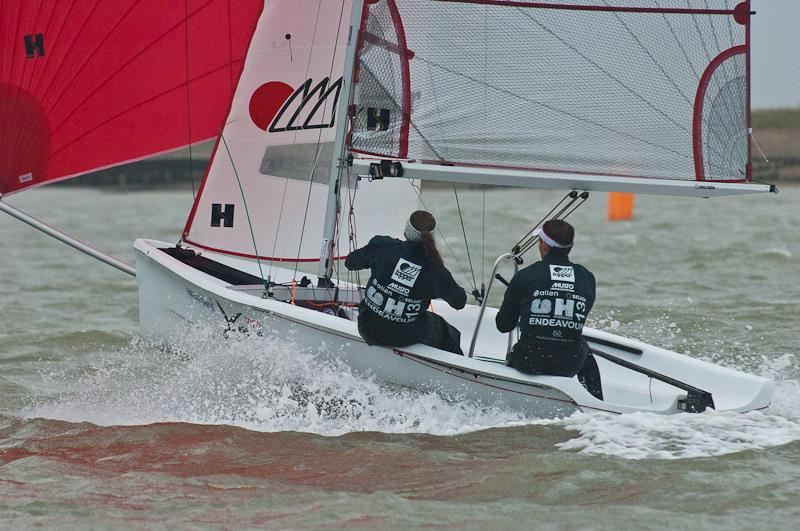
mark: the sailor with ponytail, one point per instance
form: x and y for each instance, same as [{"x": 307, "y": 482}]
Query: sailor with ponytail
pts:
[{"x": 405, "y": 276}]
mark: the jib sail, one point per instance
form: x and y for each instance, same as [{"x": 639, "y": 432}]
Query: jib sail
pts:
[{"x": 266, "y": 189}]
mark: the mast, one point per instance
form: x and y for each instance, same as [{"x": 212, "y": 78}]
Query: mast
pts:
[{"x": 339, "y": 162}]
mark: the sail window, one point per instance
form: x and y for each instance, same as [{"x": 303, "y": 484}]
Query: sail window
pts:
[{"x": 301, "y": 162}]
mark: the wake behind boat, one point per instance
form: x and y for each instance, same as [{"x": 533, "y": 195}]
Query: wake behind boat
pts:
[{"x": 342, "y": 108}]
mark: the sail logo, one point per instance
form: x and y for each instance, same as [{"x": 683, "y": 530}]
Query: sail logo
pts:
[
  {"x": 277, "y": 107},
  {"x": 562, "y": 273},
  {"x": 406, "y": 272}
]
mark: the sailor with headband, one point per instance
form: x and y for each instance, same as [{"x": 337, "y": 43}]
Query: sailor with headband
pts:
[
  {"x": 549, "y": 301},
  {"x": 405, "y": 276},
  {"x": 550, "y": 241}
]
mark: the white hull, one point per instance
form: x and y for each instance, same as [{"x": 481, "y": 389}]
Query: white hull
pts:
[{"x": 174, "y": 296}]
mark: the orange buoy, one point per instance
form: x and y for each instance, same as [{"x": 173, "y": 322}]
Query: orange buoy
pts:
[{"x": 620, "y": 206}]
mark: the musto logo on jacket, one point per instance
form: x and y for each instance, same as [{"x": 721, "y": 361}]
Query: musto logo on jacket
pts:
[{"x": 393, "y": 302}]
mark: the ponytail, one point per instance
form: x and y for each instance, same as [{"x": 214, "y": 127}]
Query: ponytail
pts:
[
  {"x": 419, "y": 228},
  {"x": 430, "y": 250}
]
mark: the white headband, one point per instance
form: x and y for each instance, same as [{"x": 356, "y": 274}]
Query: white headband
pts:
[
  {"x": 548, "y": 240},
  {"x": 412, "y": 234}
]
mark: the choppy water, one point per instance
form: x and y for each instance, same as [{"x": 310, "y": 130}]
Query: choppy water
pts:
[{"x": 100, "y": 429}]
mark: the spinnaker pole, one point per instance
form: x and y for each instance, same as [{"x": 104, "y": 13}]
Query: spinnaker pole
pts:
[
  {"x": 339, "y": 162},
  {"x": 66, "y": 238}
]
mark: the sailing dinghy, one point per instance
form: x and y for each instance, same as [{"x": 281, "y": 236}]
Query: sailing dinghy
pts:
[{"x": 336, "y": 110}]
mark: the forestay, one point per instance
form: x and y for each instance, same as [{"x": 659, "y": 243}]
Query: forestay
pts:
[
  {"x": 631, "y": 88},
  {"x": 265, "y": 192}
]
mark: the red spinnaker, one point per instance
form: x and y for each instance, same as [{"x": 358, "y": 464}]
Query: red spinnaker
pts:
[{"x": 91, "y": 83}]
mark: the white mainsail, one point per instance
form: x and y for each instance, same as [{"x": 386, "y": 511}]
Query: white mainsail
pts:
[
  {"x": 646, "y": 89},
  {"x": 266, "y": 189}
]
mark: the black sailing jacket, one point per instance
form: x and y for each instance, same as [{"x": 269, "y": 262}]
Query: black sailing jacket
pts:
[
  {"x": 403, "y": 281},
  {"x": 549, "y": 300}
]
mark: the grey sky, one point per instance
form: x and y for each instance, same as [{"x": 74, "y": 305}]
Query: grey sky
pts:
[{"x": 775, "y": 51}]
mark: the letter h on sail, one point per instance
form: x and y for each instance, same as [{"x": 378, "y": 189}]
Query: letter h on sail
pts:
[
  {"x": 220, "y": 216},
  {"x": 34, "y": 45}
]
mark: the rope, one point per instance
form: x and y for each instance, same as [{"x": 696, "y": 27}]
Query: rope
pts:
[
  {"x": 483, "y": 236},
  {"x": 188, "y": 101},
  {"x": 319, "y": 141},
  {"x": 316, "y": 155},
  {"x": 527, "y": 242},
  {"x": 246, "y": 210},
  {"x": 466, "y": 242},
  {"x": 438, "y": 230},
  {"x": 352, "y": 236},
  {"x": 753, "y": 136}
]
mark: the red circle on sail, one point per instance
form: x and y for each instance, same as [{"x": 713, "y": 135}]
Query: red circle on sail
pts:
[{"x": 266, "y": 101}]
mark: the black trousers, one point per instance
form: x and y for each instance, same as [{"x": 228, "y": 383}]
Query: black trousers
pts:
[
  {"x": 535, "y": 357},
  {"x": 429, "y": 329}
]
